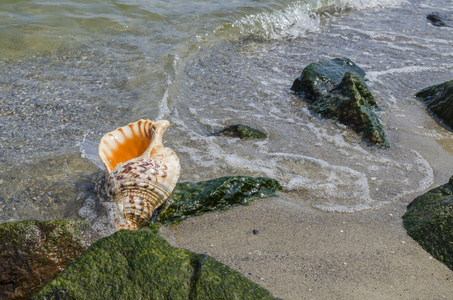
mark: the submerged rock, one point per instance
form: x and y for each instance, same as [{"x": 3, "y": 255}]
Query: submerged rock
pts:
[
  {"x": 33, "y": 252},
  {"x": 429, "y": 221},
  {"x": 142, "y": 265},
  {"x": 337, "y": 89},
  {"x": 319, "y": 78},
  {"x": 440, "y": 20},
  {"x": 193, "y": 199},
  {"x": 439, "y": 100},
  {"x": 351, "y": 103},
  {"x": 242, "y": 131}
]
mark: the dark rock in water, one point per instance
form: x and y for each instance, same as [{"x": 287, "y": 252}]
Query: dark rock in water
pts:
[
  {"x": 429, "y": 221},
  {"x": 440, "y": 20},
  {"x": 33, "y": 252},
  {"x": 242, "y": 131},
  {"x": 337, "y": 89},
  {"x": 193, "y": 199},
  {"x": 439, "y": 100},
  {"x": 319, "y": 78},
  {"x": 351, "y": 103},
  {"x": 142, "y": 265}
]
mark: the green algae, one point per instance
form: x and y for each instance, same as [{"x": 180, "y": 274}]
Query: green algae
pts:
[
  {"x": 351, "y": 103},
  {"x": 439, "y": 100},
  {"x": 50, "y": 234},
  {"x": 429, "y": 221},
  {"x": 336, "y": 89},
  {"x": 319, "y": 78},
  {"x": 143, "y": 265},
  {"x": 241, "y": 131},
  {"x": 32, "y": 252},
  {"x": 193, "y": 199}
]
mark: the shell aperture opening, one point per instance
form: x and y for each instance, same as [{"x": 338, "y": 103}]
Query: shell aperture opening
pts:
[{"x": 126, "y": 143}]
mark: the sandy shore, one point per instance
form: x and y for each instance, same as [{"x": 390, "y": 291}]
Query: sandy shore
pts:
[
  {"x": 303, "y": 253},
  {"x": 297, "y": 252}
]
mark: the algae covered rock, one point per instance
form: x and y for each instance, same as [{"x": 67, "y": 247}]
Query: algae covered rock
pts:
[
  {"x": 439, "y": 100},
  {"x": 319, "y": 78},
  {"x": 337, "y": 89},
  {"x": 351, "y": 103},
  {"x": 242, "y": 131},
  {"x": 193, "y": 199},
  {"x": 440, "y": 20},
  {"x": 33, "y": 252},
  {"x": 142, "y": 265},
  {"x": 429, "y": 221}
]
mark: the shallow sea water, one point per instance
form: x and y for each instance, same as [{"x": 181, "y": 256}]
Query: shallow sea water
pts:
[{"x": 73, "y": 73}]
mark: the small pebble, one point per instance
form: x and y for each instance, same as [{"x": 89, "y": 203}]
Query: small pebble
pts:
[{"x": 255, "y": 231}]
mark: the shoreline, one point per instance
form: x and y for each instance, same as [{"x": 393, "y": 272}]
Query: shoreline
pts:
[{"x": 298, "y": 252}]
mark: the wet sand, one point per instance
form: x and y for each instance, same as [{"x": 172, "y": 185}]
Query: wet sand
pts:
[{"x": 297, "y": 252}]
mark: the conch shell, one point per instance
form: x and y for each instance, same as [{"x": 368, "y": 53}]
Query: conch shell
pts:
[{"x": 142, "y": 173}]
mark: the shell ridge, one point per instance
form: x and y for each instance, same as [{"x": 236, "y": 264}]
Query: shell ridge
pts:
[{"x": 149, "y": 197}]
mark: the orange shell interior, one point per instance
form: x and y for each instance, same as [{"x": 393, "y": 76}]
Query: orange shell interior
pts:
[{"x": 125, "y": 143}]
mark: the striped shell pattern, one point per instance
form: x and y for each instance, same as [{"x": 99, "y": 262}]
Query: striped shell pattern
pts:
[{"x": 142, "y": 173}]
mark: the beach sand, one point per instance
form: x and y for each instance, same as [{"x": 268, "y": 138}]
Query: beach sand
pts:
[{"x": 297, "y": 252}]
